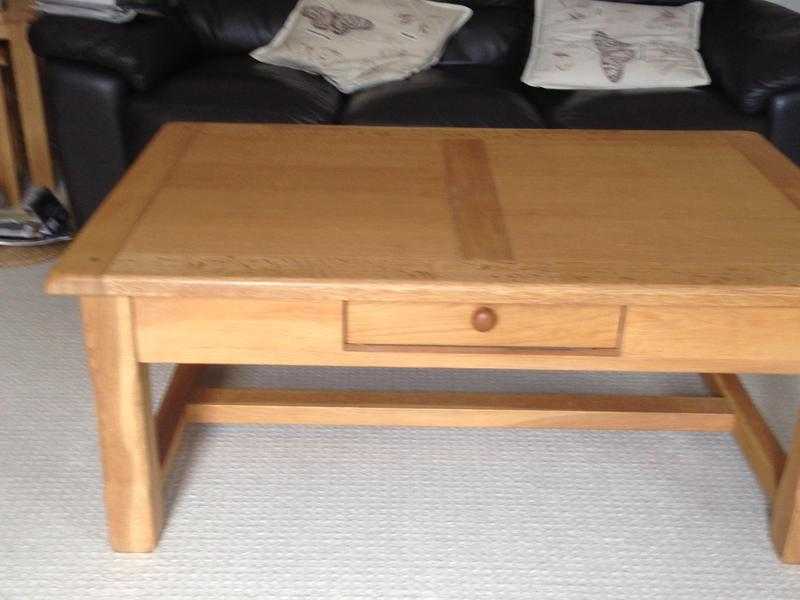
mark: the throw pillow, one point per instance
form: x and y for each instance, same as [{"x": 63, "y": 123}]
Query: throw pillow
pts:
[
  {"x": 591, "y": 44},
  {"x": 359, "y": 43}
]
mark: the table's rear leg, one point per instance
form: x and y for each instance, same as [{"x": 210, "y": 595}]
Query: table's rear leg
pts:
[
  {"x": 134, "y": 506},
  {"x": 758, "y": 443},
  {"x": 786, "y": 510}
]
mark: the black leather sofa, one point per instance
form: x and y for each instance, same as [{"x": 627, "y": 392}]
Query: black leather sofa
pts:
[{"x": 110, "y": 87}]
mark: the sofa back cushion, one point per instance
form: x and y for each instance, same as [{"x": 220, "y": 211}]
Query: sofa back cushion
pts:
[
  {"x": 235, "y": 26},
  {"x": 492, "y": 37},
  {"x": 497, "y": 34}
]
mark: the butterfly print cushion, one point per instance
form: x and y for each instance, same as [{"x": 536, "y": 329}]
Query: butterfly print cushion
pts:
[
  {"x": 614, "y": 55},
  {"x": 359, "y": 43},
  {"x": 591, "y": 44},
  {"x": 337, "y": 23}
]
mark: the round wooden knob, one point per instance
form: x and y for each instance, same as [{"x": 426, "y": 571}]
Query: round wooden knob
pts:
[{"x": 484, "y": 319}]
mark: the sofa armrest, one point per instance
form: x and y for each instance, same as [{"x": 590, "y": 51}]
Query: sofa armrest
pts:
[
  {"x": 85, "y": 107},
  {"x": 784, "y": 123},
  {"x": 143, "y": 52},
  {"x": 752, "y": 49}
]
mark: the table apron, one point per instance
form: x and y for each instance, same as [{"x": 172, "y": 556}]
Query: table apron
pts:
[{"x": 651, "y": 338}]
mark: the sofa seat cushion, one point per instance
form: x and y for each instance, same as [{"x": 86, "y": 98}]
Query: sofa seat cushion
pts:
[
  {"x": 685, "y": 108},
  {"x": 236, "y": 90},
  {"x": 468, "y": 97}
]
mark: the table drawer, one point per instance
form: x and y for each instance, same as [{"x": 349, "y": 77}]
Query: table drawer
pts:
[{"x": 479, "y": 325}]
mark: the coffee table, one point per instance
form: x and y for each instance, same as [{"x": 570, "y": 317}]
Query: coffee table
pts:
[{"x": 439, "y": 248}]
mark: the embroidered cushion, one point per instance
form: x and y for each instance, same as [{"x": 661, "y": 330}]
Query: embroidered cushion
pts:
[
  {"x": 591, "y": 44},
  {"x": 359, "y": 43}
]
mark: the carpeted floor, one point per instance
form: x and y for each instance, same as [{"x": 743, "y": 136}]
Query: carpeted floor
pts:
[{"x": 377, "y": 514}]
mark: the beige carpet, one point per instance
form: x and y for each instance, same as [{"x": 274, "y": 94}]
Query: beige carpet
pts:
[{"x": 377, "y": 514}]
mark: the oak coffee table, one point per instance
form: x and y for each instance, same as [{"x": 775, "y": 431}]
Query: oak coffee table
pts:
[{"x": 439, "y": 248}]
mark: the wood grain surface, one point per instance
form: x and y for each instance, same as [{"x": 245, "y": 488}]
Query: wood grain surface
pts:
[
  {"x": 331, "y": 212},
  {"x": 755, "y": 438},
  {"x": 443, "y": 409},
  {"x": 477, "y": 212},
  {"x": 131, "y": 470},
  {"x": 450, "y": 324}
]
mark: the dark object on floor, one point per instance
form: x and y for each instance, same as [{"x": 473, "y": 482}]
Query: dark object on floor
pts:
[
  {"x": 52, "y": 214},
  {"x": 43, "y": 220}
]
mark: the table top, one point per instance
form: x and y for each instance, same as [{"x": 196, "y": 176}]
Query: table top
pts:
[{"x": 323, "y": 212}]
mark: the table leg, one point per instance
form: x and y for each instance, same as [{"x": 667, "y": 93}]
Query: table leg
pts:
[
  {"x": 131, "y": 470},
  {"x": 786, "y": 509},
  {"x": 9, "y": 180},
  {"x": 31, "y": 108}
]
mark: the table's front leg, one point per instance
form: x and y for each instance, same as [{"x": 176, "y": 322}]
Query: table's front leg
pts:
[
  {"x": 786, "y": 509},
  {"x": 133, "y": 496}
]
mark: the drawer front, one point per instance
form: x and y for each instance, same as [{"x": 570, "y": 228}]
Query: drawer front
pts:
[{"x": 478, "y": 325}]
